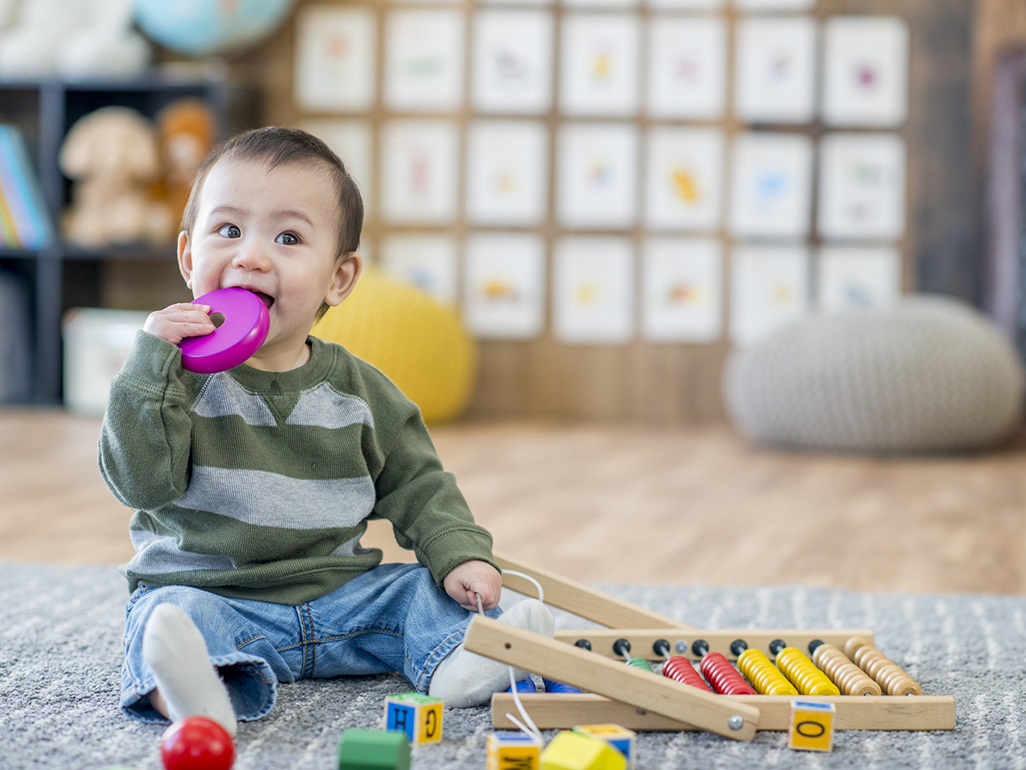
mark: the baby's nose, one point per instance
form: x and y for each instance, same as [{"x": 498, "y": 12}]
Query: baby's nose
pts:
[{"x": 251, "y": 256}]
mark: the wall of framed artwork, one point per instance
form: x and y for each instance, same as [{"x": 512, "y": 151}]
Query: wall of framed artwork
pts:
[{"x": 517, "y": 132}]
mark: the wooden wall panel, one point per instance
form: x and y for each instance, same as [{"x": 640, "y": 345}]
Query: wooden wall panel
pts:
[{"x": 675, "y": 383}]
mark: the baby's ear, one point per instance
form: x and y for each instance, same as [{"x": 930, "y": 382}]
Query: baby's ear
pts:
[
  {"x": 185, "y": 257},
  {"x": 344, "y": 279}
]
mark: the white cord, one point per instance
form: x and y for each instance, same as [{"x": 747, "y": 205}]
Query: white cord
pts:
[
  {"x": 530, "y": 728},
  {"x": 537, "y": 585}
]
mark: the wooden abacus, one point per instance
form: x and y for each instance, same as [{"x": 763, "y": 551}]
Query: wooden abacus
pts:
[{"x": 593, "y": 660}]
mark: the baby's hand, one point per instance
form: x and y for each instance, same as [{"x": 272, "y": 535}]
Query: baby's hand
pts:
[
  {"x": 179, "y": 321},
  {"x": 472, "y": 579}
]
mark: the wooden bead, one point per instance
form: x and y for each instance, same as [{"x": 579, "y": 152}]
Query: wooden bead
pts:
[
  {"x": 891, "y": 677},
  {"x": 846, "y": 675},
  {"x": 853, "y": 644}
]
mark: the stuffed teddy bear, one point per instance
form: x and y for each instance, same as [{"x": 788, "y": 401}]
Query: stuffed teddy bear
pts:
[
  {"x": 112, "y": 155},
  {"x": 187, "y": 129},
  {"x": 71, "y": 38}
]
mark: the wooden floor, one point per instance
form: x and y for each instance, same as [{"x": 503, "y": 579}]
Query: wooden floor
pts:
[{"x": 621, "y": 503}]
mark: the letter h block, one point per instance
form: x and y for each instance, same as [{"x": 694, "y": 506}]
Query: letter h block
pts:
[{"x": 419, "y": 716}]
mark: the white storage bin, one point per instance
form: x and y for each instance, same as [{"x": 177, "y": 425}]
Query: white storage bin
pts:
[{"x": 96, "y": 345}]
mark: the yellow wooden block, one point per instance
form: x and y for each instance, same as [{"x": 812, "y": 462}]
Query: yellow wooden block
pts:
[
  {"x": 811, "y": 726},
  {"x": 573, "y": 751},
  {"x": 512, "y": 751},
  {"x": 620, "y": 738},
  {"x": 419, "y": 716}
]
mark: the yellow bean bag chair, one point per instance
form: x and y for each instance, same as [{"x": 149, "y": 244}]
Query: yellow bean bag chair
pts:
[{"x": 420, "y": 344}]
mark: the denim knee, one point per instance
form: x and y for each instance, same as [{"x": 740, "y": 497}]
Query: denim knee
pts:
[{"x": 250, "y": 679}]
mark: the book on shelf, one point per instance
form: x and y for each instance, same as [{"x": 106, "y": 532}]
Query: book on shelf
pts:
[
  {"x": 8, "y": 236},
  {"x": 24, "y": 218}
]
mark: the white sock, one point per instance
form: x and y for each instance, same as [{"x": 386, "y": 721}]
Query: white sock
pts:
[
  {"x": 174, "y": 650},
  {"x": 465, "y": 679}
]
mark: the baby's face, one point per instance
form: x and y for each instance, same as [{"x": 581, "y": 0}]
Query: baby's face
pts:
[{"x": 273, "y": 231}]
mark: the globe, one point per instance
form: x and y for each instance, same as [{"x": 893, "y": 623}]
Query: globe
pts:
[{"x": 205, "y": 27}]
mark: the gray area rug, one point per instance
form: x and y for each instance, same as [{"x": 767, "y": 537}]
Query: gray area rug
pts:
[{"x": 60, "y": 659}]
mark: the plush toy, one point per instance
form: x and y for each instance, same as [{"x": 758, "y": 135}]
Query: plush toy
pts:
[
  {"x": 71, "y": 38},
  {"x": 187, "y": 129},
  {"x": 8, "y": 9},
  {"x": 107, "y": 46},
  {"x": 111, "y": 153}
]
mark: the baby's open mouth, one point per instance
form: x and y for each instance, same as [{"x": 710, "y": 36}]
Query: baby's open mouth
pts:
[{"x": 267, "y": 299}]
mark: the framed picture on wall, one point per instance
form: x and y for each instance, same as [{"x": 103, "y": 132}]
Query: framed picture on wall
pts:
[
  {"x": 504, "y": 285},
  {"x": 682, "y": 290},
  {"x": 597, "y": 169},
  {"x": 687, "y": 67},
  {"x": 593, "y": 290},
  {"x": 862, "y": 187},
  {"x": 686, "y": 5},
  {"x": 599, "y": 65},
  {"x": 771, "y": 184},
  {"x": 775, "y": 5},
  {"x": 507, "y": 172},
  {"x": 512, "y": 61},
  {"x": 601, "y": 3},
  {"x": 683, "y": 188},
  {"x": 775, "y": 72},
  {"x": 419, "y": 168},
  {"x": 865, "y": 71},
  {"x": 352, "y": 141},
  {"x": 855, "y": 277},
  {"x": 424, "y": 60},
  {"x": 335, "y": 58},
  {"x": 427, "y": 261},
  {"x": 524, "y": 3},
  {"x": 769, "y": 287}
]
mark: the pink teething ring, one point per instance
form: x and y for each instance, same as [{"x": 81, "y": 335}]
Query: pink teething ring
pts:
[{"x": 245, "y": 327}]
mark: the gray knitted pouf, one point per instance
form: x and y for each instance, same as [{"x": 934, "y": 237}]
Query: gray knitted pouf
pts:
[{"x": 928, "y": 374}]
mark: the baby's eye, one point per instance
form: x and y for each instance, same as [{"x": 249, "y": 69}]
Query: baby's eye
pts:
[
  {"x": 229, "y": 231},
  {"x": 288, "y": 239}
]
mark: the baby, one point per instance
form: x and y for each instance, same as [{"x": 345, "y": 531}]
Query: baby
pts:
[{"x": 254, "y": 486}]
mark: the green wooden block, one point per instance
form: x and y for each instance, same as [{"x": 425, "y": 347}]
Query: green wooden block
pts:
[{"x": 373, "y": 750}]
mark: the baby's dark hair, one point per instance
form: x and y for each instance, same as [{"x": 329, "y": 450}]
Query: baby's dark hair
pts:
[{"x": 279, "y": 146}]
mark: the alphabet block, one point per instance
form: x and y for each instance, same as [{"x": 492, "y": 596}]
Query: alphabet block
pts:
[
  {"x": 620, "y": 738},
  {"x": 573, "y": 751},
  {"x": 373, "y": 750},
  {"x": 811, "y": 726},
  {"x": 419, "y": 716},
  {"x": 512, "y": 751}
]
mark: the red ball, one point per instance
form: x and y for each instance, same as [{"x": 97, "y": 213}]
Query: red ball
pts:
[{"x": 196, "y": 743}]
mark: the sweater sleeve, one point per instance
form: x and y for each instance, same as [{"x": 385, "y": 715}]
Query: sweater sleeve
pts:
[
  {"x": 426, "y": 508},
  {"x": 145, "y": 439}
]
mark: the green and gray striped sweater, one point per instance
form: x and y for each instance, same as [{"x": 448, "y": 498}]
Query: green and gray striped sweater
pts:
[{"x": 259, "y": 485}]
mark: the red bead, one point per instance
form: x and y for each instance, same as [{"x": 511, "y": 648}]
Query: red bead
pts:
[
  {"x": 680, "y": 670},
  {"x": 722, "y": 676},
  {"x": 196, "y": 743}
]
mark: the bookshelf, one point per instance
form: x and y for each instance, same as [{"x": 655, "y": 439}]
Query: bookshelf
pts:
[{"x": 64, "y": 275}]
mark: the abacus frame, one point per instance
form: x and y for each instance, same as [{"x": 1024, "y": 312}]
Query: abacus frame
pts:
[{"x": 636, "y": 700}]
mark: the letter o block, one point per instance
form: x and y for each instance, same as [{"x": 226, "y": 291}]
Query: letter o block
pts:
[
  {"x": 811, "y": 726},
  {"x": 419, "y": 716}
]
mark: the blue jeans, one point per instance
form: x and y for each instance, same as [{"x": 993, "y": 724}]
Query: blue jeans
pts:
[{"x": 392, "y": 618}]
